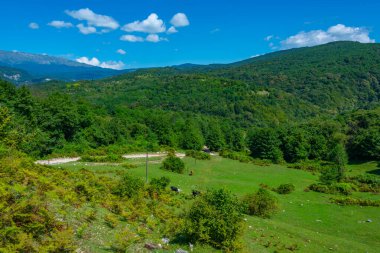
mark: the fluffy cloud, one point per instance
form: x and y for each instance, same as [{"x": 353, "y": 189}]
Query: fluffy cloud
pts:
[
  {"x": 150, "y": 25},
  {"x": 180, "y": 20},
  {"x": 154, "y": 38},
  {"x": 150, "y": 38},
  {"x": 131, "y": 38},
  {"x": 86, "y": 29},
  {"x": 107, "y": 65},
  {"x": 34, "y": 26},
  {"x": 94, "y": 19},
  {"x": 172, "y": 30},
  {"x": 334, "y": 33},
  {"x": 60, "y": 24},
  {"x": 121, "y": 51}
]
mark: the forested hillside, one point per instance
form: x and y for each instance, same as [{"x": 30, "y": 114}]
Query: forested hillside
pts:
[
  {"x": 287, "y": 85},
  {"x": 223, "y": 108},
  {"x": 337, "y": 76}
]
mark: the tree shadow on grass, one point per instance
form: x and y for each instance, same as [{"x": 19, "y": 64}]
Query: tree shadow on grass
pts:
[{"x": 374, "y": 172}]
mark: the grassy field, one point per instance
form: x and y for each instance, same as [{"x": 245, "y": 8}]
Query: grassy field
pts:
[{"x": 306, "y": 222}]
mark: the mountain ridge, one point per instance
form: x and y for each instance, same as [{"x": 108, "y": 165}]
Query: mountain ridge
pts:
[{"x": 38, "y": 68}]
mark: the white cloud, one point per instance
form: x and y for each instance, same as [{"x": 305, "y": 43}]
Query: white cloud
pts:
[
  {"x": 150, "y": 38},
  {"x": 107, "y": 65},
  {"x": 94, "y": 19},
  {"x": 154, "y": 38},
  {"x": 269, "y": 37},
  {"x": 121, "y": 51},
  {"x": 180, "y": 20},
  {"x": 34, "y": 26},
  {"x": 118, "y": 65},
  {"x": 86, "y": 29},
  {"x": 256, "y": 55},
  {"x": 60, "y": 24},
  {"x": 172, "y": 30},
  {"x": 131, "y": 38},
  {"x": 338, "y": 32},
  {"x": 150, "y": 25}
]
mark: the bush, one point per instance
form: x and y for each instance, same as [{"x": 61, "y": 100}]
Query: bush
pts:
[
  {"x": 174, "y": 164},
  {"x": 355, "y": 202},
  {"x": 319, "y": 188},
  {"x": 111, "y": 158},
  {"x": 215, "y": 219},
  {"x": 285, "y": 188},
  {"x": 331, "y": 175},
  {"x": 160, "y": 183},
  {"x": 129, "y": 166},
  {"x": 336, "y": 188},
  {"x": 243, "y": 158},
  {"x": 129, "y": 186},
  {"x": 111, "y": 220},
  {"x": 343, "y": 188},
  {"x": 365, "y": 183},
  {"x": 198, "y": 155},
  {"x": 262, "y": 203},
  {"x": 306, "y": 166}
]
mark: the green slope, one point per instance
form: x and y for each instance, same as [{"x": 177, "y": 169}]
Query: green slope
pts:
[{"x": 287, "y": 85}]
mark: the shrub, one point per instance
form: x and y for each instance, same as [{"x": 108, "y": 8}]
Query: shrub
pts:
[
  {"x": 129, "y": 166},
  {"x": 215, "y": 219},
  {"x": 84, "y": 190},
  {"x": 112, "y": 158},
  {"x": 331, "y": 174},
  {"x": 342, "y": 188},
  {"x": 243, "y": 157},
  {"x": 306, "y": 166},
  {"x": 365, "y": 183},
  {"x": 111, "y": 220},
  {"x": 174, "y": 164},
  {"x": 129, "y": 186},
  {"x": 124, "y": 240},
  {"x": 262, "y": 203},
  {"x": 285, "y": 188},
  {"x": 81, "y": 231},
  {"x": 160, "y": 183},
  {"x": 198, "y": 155},
  {"x": 90, "y": 215},
  {"x": 336, "y": 188},
  {"x": 319, "y": 188},
  {"x": 355, "y": 202}
]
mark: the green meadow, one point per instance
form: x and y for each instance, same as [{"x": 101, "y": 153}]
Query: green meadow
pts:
[{"x": 306, "y": 220}]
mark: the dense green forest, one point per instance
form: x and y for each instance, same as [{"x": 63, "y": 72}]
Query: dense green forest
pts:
[
  {"x": 61, "y": 124},
  {"x": 325, "y": 95}
]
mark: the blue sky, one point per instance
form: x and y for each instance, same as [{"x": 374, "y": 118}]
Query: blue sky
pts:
[{"x": 99, "y": 32}]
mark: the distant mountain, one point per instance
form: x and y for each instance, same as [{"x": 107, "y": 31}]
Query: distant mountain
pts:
[
  {"x": 14, "y": 75},
  {"x": 26, "y": 68}
]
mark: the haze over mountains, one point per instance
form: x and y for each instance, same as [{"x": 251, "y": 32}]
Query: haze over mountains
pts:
[{"x": 26, "y": 68}]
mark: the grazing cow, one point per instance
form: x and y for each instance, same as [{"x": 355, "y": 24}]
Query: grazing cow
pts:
[
  {"x": 175, "y": 189},
  {"x": 196, "y": 193}
]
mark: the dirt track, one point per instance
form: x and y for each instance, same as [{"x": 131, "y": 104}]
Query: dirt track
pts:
[{"x": 74, "y": 159}]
